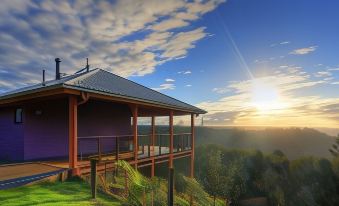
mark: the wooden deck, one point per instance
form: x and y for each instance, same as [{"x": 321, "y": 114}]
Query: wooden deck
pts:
[
  {"x": 107, "y": 162},
  {"x": 14, "y": 171}
]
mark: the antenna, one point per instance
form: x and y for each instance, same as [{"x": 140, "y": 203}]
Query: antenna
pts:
[
  {"x": 43, "y": 78},
  {"x": 87, "y": 66}
]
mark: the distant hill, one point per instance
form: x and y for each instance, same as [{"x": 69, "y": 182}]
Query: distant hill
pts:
[{"x": 294, "y": 142}]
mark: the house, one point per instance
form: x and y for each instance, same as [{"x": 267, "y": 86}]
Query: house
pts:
[{"x": 91, "y": 114}]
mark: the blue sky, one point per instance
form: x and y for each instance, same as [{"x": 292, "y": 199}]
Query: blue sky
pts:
[{"x": 248, "y": 63}]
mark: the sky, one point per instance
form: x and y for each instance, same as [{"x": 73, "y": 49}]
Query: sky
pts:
[{"x": 248, "y": 63}]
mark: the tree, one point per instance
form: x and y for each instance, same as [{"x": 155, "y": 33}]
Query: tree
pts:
[
  {"x": 212, "y": 177},
  {"x": 335, "y": 148}
]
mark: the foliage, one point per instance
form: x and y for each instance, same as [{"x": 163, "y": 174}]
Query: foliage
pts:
[
  {"x": 248, "y": 174},
  {"x": 144, "y": 191},
  {"x": 335, "y": 148}
]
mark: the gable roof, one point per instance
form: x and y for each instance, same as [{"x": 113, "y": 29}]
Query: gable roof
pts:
[{"x": 104, "y": 82}]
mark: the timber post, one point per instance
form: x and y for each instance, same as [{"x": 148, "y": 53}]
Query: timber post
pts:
[
  {"x": 170, "y": 186},
  {"x": 171, "y": 139},
  {"x": 73, "y": 134},
  {"x": 94, "y": 178}
]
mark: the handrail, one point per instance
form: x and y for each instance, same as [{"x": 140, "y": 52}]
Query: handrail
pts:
[
  {"x": 131, "y": 135},
  {"x": 182, "y": 140},
  {"x": 174, "y": 134}
]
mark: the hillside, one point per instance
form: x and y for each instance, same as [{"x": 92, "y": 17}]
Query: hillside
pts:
[{"x": 294, "y": 142}]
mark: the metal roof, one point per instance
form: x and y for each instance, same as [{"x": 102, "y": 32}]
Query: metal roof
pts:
[{"x": 104, "y": 82}]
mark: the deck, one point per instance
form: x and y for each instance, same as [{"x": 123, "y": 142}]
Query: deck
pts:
[
  {"x": 13, "y": 175},
  {"x": 107, "y": 161}
]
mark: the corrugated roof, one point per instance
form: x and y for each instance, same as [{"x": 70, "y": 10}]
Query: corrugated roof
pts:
[{"x": 104, "y": 82}]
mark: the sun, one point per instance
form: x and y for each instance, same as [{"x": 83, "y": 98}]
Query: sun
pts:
[{"x": 265, "y": 97}]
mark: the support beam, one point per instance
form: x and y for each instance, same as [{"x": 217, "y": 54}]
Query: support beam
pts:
[
  {"x": 153, "y": 167},
  {"x": 94, "y": 178},
  {"x": 153, "y": 134},
  {"x": 170, "y": 194},
  {"x": 73, "y": 134},
  {"x": 171, "y": 139},
  {"x": 135, "y": 133},
  {"x": 192, "y": 145}
]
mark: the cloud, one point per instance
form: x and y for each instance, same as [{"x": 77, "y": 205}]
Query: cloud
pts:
[
  {"x": 303, "y": 51},
  {"x": 188, "y": 85},
  {"x": 166, "y": 86},
  {"x": 127, "y": 37},
  {"x": 280, "y": 43},
  {"x": 185, "y": 72},
  {"x": 323, "y": 74},
  {"x": 284, "y": 42},
  {"x": 221, "y": 90},
  {"x": 169, "y": 80},
  {"x": 273, "y": 99}
]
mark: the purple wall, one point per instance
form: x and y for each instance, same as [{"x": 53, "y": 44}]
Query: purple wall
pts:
[
  {"x": 96, "y": 118},
  {"x": 46, "y": 134},
  {"x": 11, "y": 136}
]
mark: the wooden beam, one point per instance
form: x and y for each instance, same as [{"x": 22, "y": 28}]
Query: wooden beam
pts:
[
  {"x": 171, "y": 139},
  {"x": 153, "y": 134},
  {"x": 73, "y": 134},
  {"x": 135, "y": 133},
  {"x": 153, "y": 168},
  {"x": 192, "y": 145}
]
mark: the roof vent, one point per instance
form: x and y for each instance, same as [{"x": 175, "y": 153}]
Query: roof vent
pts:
[
  {"x": 43, "y": 78},
  {"x": 87, "y": 66},
  {"x": 57, "y": 69}
]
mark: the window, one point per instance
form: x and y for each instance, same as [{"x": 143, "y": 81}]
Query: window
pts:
[{"x": 18, "y": 115}]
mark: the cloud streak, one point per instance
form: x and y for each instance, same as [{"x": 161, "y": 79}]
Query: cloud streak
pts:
[{"x": 303, "y": 51}]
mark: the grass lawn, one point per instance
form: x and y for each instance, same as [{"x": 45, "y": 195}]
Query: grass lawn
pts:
[{"x": 71, "y": 192}]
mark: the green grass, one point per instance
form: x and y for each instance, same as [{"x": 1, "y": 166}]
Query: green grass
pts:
[{"x": 72, "y": 192}]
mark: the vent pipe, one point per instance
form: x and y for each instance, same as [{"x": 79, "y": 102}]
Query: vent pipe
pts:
[
  {"x": 87, "y": 66},
  {"x": 43, "y": 78},
  {"x": 57, "y": 69}
]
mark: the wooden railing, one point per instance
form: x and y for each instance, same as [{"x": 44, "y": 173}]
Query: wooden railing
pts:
[{"x": 115, "y": 146}]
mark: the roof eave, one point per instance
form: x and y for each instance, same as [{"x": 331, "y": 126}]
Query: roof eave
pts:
[
  {"x": 32, "y": 91},
  {"x": 197, "y": 111}
]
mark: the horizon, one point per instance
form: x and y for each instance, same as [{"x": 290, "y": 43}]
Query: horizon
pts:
[{"x": 244, "y": 62}]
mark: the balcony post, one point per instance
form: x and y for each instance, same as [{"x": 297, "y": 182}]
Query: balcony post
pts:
[
  {"x": 135, "y": 134},
  {"x": 153, "y": 134},
  {"x": 73, "y": 134},
  {"x": 171, "y": 139},
  {"x": 192, "y": 145}
]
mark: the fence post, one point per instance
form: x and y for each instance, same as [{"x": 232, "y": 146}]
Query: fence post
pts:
[
  {"x": 94, "y": 178},
  {"x": 170, "y": 186}
]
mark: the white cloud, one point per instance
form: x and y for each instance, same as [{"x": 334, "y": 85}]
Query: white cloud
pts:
[
  {"x": 169, "y": 80},
  {"x": 303, "y": 51},
  {"x": 280, "y": 43},
  {"x": 166, "y": 86},
  {"x": 221, "y": 90},
  {"x": 169, "y": 24},
  {"x": 185, "y": 72},
  {"x": 284, "y": 42},
  {"x": 188, "y": 85},
  {"x": 323, "y": 74},
  {"x": 126, "y": 37}
]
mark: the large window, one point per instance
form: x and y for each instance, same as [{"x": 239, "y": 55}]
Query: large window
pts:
[{"x": 18, "y": 115}]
